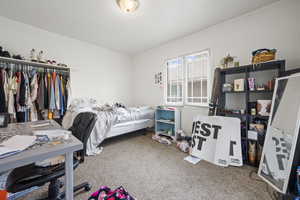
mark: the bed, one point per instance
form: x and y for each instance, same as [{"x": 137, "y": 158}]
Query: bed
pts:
[
  {"x": 128, "y": 127},
  {"x": 111, "y": 121}
]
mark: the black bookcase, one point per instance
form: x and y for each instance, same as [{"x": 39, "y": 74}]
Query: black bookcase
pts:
[{"x": 274, "y": 67}]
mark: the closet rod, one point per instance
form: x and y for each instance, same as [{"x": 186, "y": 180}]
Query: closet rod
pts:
[{"x": 33, "y": 64}]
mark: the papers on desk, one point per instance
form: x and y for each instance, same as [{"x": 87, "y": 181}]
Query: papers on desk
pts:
[
  {"x": 54, "y": 134},
  {"x": 39, "y": 124},
  {"x": 15, "y": 145}
]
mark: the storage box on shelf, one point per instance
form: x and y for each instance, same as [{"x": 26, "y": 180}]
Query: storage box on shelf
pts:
[
  {"x": 247, "y": 117},
  {"x": 167, "y": 122}
]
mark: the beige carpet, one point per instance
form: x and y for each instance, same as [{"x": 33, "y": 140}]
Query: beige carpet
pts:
[{"x": 152, "y": 171}]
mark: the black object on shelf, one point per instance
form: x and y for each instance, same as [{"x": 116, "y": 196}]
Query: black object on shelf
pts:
[{"x": 247, "y": 118}]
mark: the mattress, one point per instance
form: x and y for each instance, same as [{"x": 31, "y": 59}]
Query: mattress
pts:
[
  {"x": 111, "y": 121},
  {"x": 133, "y": 114},
  {"x": 130, "y": 126}
]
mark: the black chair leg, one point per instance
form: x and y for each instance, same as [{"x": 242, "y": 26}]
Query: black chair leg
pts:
[
  {"x": 86, "y": 186},
  {"x": 54, "y": 189}
]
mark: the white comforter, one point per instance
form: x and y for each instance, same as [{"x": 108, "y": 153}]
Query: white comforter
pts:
[{"x": 107, "y": 117}]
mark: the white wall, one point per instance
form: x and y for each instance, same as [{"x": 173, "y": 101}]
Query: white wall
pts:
[
  {"x": 274, "y": 26},
  {"x": 95, "y": 72}
]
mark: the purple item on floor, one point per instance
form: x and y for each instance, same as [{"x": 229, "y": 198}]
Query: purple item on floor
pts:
[{"x": 105, "y": 193}]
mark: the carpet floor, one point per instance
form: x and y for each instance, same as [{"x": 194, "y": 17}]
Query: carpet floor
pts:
[{"x": 150, "y": 171}]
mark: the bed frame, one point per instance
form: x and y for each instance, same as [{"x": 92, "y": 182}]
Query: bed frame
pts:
[{"x": 128, "y": 127}]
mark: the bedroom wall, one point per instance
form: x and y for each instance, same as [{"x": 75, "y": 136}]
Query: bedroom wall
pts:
[
  {"x": 274, "y": 26},
  {"x": 95, "y": 72}
]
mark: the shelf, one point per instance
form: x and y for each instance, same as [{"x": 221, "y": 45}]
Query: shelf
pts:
[
  {"x": 165, "y": 121},
  {"x": 259, "y": 116},
  {"x": 251, "y": 164},
  {"x": 163, "y": 133},
  {"x": 245, "y": 72},
  {"x": 252, "y": 140},
  {"x": 165, "y": 109},
  {"x": 261, "y": 91},
  {"x": 234, "y": 70},
  {"x": 238, "y": 92},
  {"x": 33, "y": 64},
  {"x": 271, "y": 65},
  {"x": 255, "y": 91},
  {"x": 233, "y": 114},
  {"x": 244, "y": 115}
]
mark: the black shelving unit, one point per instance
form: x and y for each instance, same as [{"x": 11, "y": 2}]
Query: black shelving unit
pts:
[{"x": 247, "y": 118}]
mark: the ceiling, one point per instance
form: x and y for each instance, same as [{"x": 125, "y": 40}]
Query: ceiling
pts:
[{"x": 102, "y": 23}]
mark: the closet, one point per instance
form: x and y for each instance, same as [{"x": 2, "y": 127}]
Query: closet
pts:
[{"x": 31, "y": 91}]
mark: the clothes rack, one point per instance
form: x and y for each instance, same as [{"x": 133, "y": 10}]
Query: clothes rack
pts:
[
  {"x": 31, "y": 91},
  {"x": 33, "y": 64}
]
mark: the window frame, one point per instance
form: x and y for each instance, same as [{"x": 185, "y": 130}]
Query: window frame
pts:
[
  {"x": 166, "y": 84},
  {"x": 184, "y": 101}
]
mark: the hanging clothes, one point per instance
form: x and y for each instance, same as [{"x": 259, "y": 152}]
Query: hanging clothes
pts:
[
  {"x": 12, "y": 91},
  {"x": 27, "y": 90},
  {"x": 34, "y": 87},
  {"x": 5, "y": 85},
  {"x": 22, "y": 90},
  {"x": 64, "y": 92},
  {"x": 17, "y": 97},
  {"x": 46, "y": 91},
  {"x": 69, "y": 93},
  {"x": 33, "y": 97},
  {"x": 52, "y": 104},
  {"x": 41, "y": 92},
  {"x": 21, "y": 98},
  {"x": 2, "y": 94},
  {"x": 57, "y": 91},
  {"x": 29, "y": 95},
  {"x": 61, "y": 96}
]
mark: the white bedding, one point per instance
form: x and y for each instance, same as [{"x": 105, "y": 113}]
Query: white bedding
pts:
[{"x": 108, "y": 117}]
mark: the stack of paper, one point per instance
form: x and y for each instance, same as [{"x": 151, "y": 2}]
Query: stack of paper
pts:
[
  {"x": 55, "y": 134},
  {"x": 192, "y": 159},
  {"x": 15, "y": 145}
]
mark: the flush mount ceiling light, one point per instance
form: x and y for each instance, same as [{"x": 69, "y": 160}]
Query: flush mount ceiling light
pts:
[{"x": 128, "y": 6}]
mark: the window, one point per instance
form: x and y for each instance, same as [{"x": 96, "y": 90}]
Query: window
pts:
[
  {"x": 197, "y": 66},
  {"x": 175, "y": 81},
  {"x": 187, "y": 80}
]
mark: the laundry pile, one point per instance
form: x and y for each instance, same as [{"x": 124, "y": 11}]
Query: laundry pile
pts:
[
  {"x": 184, "y": 142},
  {"x": 30, "y": 95},
  {"x": 105, "y": 193},
  {"x": 161, "y": 139}
]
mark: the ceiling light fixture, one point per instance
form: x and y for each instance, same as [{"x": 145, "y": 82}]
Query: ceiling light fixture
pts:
[{"x": 128, "y": 6}]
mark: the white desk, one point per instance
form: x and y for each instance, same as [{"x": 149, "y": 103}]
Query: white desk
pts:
[{"x": 43, "y": 152}]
